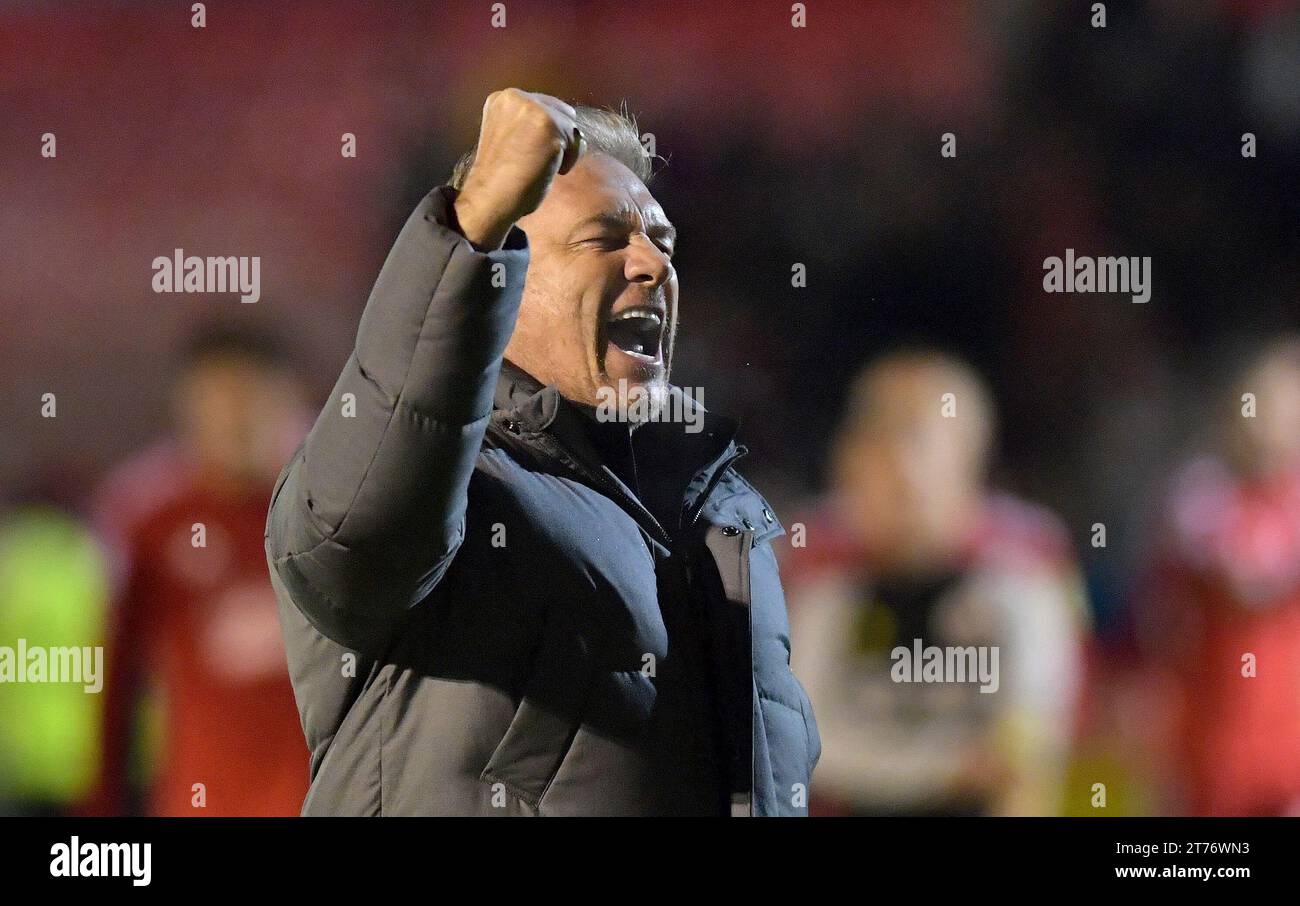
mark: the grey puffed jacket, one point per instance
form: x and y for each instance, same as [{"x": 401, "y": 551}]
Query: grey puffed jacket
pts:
[{"x": 482, "y": 618}]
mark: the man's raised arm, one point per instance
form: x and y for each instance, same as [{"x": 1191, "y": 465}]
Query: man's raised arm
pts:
[{"x": 367, "y": 516}]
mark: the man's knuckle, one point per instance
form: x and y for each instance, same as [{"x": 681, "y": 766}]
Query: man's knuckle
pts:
[{"x": 537, "y": 113}]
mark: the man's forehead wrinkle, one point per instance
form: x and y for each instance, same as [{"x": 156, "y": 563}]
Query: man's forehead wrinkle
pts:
[
  {"x": 652, "y": 219},
  {"x": 648, "y": 207},
  {"x": 629, "y": 220}
]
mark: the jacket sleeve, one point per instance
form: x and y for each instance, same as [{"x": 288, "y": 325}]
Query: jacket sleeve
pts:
[{"x": 368, "y": 514}]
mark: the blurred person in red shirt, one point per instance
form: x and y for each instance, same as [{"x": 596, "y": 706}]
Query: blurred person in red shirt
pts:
[
  {"x": 911, "y": 544},
  {"x": 194, "y": 611},
  {"x": 1219, "y": 612}
]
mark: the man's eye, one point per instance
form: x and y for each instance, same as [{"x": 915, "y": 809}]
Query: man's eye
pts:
[{"x": 611, "y": 243}]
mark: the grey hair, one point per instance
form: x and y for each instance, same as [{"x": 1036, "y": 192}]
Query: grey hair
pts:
[{"x": 607, "y": 131}]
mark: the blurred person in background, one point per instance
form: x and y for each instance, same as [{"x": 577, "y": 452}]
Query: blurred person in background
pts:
[
  {"x": 912, "y": 544},
  {"x": 53, "y": 594},
  {"x": 1219, "y": 611},
  {"x": 195, "y": 612}
]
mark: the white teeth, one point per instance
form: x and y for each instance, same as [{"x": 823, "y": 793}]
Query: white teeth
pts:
[{"x": 648, "y": 315}]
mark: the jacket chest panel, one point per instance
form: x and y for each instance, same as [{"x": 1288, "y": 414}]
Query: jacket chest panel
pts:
[{"x": 563, "y": 544}]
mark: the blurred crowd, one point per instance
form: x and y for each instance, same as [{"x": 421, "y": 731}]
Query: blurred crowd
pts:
[
  {"x": 1106, "y": 493},
  {"x": 1193, "y": 709}
]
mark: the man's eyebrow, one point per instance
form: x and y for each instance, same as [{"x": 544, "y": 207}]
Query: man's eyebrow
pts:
[
  {"x": 662, "y": 229},
  {"x": 625, "y": 220}
]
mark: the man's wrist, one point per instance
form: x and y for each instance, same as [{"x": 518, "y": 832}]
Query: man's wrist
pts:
[{"x": 485, "y": 233}]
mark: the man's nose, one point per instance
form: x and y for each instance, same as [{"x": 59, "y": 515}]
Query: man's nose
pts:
[{"x": 646, "y": 263}]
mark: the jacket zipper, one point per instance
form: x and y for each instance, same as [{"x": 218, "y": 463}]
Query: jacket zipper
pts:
[
  {"x": 613, "y": 489},
  {"x": 741, "y": 450},
  {"x": 687, "y": 561},
  {"x": 699, "y": 508}
]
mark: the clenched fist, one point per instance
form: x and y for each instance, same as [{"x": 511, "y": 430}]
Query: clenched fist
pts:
[{"x": 526, "y": 139}]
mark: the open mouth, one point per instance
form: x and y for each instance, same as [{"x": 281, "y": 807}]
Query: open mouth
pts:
[{"x": 637, "y": 332}]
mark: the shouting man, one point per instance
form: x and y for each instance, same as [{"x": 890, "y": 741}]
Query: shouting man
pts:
[{"x": 500, "y": 594}]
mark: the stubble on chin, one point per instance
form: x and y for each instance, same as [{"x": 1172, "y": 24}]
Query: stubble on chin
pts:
[{"x": 634, "y": 401}]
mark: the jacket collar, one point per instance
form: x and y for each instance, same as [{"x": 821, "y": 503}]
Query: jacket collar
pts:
[
  {"x": 524, "y": 398},
  {"x": 536, "y": 415},
  {"x": 536, "y": 407}
]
